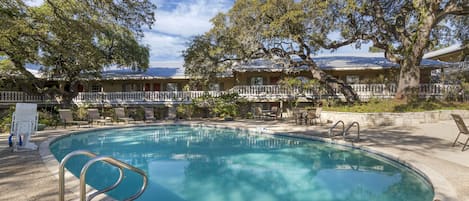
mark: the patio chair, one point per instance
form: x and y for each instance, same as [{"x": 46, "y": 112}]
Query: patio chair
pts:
[
  {"x": 149, "y": 114},
  {"x": 299, "y": 115},
  {"x": 66, "y": 117},
  {"x": 120, "y": 115},
  {"x": 314, "y": 115},
  {"x": 94, "y": 117},
  {"x": 274, "y": 112},
  {"x": 259, "y": 113},
  {"x": 462, "y": 130},
  {"x": 23, "y": 125}
]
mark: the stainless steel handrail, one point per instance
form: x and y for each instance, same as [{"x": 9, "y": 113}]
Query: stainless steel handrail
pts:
[
  {"x": 335, "y": 125},
  {"x": 350, "y": 126},
  {"x": 119, "y": 164},
  {"x": 62, "y": 169},
  {"x": 119, "y": 180},
  {"x": 116, "y": 163}
]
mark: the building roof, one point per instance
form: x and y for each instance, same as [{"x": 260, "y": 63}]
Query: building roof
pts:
[
  {"x": 443, "y": 51},
  {"x": 150, "y": 73},
  {"x": 368, "y": 61},
  {"x": 325, "y": 62}
]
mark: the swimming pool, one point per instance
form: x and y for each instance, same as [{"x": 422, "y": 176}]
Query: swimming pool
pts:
[{"x": 212, "y": 164}]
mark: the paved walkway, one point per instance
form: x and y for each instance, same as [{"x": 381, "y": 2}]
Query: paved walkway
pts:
[{"x": 24, "y": 176}]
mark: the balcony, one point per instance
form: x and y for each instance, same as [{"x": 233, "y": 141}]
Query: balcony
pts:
[{"x": 262, "y": 93}]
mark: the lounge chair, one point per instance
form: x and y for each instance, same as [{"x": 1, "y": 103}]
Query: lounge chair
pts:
[
  {"x": 149, "y": 114},
  {"x": 94, "y": 117},
  {"x": 274, "y": 112},
  {"x": 66, "y": 117},
  {"x": 23, "y": 125},
  {"x": 258, "y": 113},
  {"x": 120, "y": 115},
  {"x": 462, "y": 130}
]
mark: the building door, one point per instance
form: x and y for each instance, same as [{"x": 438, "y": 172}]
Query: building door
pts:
[
  {"x": 80, "y": 88},
  {"x": 274, "y": 80},
  {"x": 156, "y": 87},
  {"x": 147, "y": 87}
]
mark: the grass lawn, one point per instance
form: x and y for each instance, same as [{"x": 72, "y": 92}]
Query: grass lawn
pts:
[{"x": 399, "y": 106}]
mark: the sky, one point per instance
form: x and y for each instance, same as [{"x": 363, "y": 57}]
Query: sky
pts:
[{"x": 177, "y": 21}]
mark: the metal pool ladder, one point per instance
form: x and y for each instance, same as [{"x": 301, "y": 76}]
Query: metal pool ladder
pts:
[
  {"x": 94, "y": 158},
  {"x": 335, "y": 125},
  {"x": 349, "y": 127},
  {"x": 345, "y": 130}
]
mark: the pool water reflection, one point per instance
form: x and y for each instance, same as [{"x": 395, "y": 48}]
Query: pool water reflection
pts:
[{"x": 212, "y": 164}]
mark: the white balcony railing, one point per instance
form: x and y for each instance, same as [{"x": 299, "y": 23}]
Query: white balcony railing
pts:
[
  {"x": 22, "y": 97},
  {"x": 253, "y": 93},
  {"x": 141, "y": 97}
]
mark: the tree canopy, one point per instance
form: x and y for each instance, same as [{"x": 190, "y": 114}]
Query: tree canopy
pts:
[
  {"x": 74, "y": 39},
  {"x": 279, "y": 30},
  {"x": 290, "y": 32},
  {"x": 405, "y": 30}
]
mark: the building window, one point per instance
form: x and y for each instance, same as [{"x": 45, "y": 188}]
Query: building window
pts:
[
  {"x": 214, "y": 87},
  {"x": 257, "y": 81},
  {"x": 352, "y": 79},
  {"x": 172, "y": 87},
  {"x": 95, "y": 88},
  {"x": 131, "y": 87}
]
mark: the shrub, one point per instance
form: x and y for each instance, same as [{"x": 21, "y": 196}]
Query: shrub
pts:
[
  {"x": 185, "y": 111},
  {"x": 5, "y": 121},
  {"x": 48, "y": 118}
]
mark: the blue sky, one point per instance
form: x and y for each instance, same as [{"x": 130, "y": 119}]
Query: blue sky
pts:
[{"x": 177, "y": 21}]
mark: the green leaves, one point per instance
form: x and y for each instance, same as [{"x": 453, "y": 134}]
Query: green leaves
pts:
[{"x": 73, "y": 39}]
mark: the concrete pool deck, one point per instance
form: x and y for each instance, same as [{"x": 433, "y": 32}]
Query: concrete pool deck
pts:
[{"x": 427, "y": 147}]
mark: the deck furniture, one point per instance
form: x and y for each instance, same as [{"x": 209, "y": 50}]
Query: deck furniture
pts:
[
  {"x": 314, "y": 115},
  {"x": 120, "y": 115},
  {"x": 274, "y": 112},
  {"x": 66, "y": 117},
  {"x": 23, "y": 125},
  {"x": 462, "y": 130},
  {"x": 94, "y": 117},
  {"x": 149, "y": 114},
  {"x": 299, "y": 115}
]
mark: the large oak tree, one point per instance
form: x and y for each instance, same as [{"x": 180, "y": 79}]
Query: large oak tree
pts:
[
  {"x": 73, "y": 40},
  {"x": 282, "y": 31},
  {"x": 405, "y": 29}
]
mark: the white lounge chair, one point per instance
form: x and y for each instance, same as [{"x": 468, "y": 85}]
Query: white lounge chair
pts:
[
  {"x": 94, "y": 117},
  {"x": 120, "y": 115},
  {"x": 149, "y": 114},
  {"x": 66, "y": 117},
  {"x": 23, "y": 125}
]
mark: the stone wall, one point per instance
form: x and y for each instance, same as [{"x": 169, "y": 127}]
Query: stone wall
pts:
[{"x": 392, "y": 119}]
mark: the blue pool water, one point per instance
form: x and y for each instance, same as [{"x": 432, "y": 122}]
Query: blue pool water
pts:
[{"x": 212, "y": 164}]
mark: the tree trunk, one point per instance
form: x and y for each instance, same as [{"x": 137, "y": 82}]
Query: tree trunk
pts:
[
  {"x": 332, "y": 82},
  {"x": 409, "y": 79},
  {"x": 67, "y": 94}
]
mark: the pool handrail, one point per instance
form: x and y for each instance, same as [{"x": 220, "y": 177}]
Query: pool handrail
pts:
[
  {"x": 335, "y": 125},
  {"x": 349, "y": 127},
  {"x": 94, "y": 158}
]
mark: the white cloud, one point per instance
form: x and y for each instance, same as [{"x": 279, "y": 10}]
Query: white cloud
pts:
[
  {"x": 187, "y": 18},
  {"x": 176, "y": 22},
  {"x": 164, "y": 47}
]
